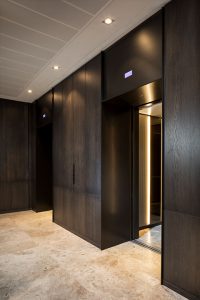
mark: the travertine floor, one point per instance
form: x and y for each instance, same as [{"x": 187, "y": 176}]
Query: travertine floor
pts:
[{"x": 40, "y": 260}]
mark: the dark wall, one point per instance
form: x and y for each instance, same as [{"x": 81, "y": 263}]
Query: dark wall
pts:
[
  {"x": 42, "y": 145},
  {"x": 77, "y": 152},
  {"x": 181, "y": 247},
  {"x": 32, "y": 154},
  {"x": 44, "y": 190},
  {"x": 139, "y": 51},
  {"x": 44, "y": 109},
  {"x": 116, "y": 173},
  {"x": 63, "y": 199},
  {"x": 14, "y": 156}
]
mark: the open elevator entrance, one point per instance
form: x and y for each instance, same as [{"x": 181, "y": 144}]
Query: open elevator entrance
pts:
[
  {"x": 150, "y": 175},
  {"x": 131, "y": 172}
]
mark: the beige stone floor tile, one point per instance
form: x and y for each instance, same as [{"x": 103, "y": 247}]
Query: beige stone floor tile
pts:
[{"x": 41, "y": 260}]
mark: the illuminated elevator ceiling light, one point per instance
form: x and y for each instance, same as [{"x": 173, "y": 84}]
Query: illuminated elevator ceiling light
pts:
[
  {"x": 148, "y": 105},
  {"x": 108, "y": 21},
  {"x": 152, "y": 110},
  {"x": 29, "y": 91}
]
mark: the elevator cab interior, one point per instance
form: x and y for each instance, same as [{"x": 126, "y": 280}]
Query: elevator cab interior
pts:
[{"x": 150, "y": 175}]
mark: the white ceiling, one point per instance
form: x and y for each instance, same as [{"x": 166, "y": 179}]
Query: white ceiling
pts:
[{"x": 37, "y": 34}]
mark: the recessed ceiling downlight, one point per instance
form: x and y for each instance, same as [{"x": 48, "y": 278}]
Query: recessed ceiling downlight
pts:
[
  {"x": 30, "y": 91},
  {"x": 56, "y": 67},
  {"x": 108, "y": 21}
]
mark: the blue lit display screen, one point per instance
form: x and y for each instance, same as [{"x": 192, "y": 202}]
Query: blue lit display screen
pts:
[{"x": 128, "y": 74}]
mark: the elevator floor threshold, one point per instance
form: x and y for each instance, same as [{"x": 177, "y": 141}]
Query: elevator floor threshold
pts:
[{"x": 151, "y": 238}]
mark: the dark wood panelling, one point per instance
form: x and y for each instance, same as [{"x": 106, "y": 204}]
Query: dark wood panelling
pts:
[
  {"x": 58, "y": 149},
  {"x": 76, "y": 152},
  {"x": 93, "y": 149},
  {"x": 139, "y": 51},
  {"x": 79, "y": 106},
  {"x": 32, "y": 154},
  {"x": 182, "y": 147},
  {"x": 43, "y": 153},
  {"x": 87, "y": 146},
  {"x": 14, "y": 156},
  {"x": 44, "y": 168},
  {"x": 181, "y": 252},
  {"x": 116, "y": 174},
  {"x": 67, "y": 158},
  {"x": 44, "y": 109},
  {"x": 148, "y": 93},
  {"x": 182, "y": 106}
]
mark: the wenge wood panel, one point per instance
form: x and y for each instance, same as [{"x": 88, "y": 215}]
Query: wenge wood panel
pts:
[
  {"x": 79, "y": 106},
  {"x": 67, "y": 158},
  {"x": 139, "y": 51},
  {"x": 14, "y": 156},
  {"x": 32, "y": 154},
  {"x": 44, "y": 188},
  {"x": 181, "y": 257},
  {"x": 44, "y": 109},
  {"x": 116, "y": 174},
  {"x": 93, "y": 149},
  {"x": 58, "y": 149},
  {"x": 182, "y": 106},
  {"x": 93, "y": 125},
  {"x": 43, "y": 153},
  {"x": 182, "y": 147},
  {"x": 87, "y": 147},
  {"x": 76, "y": 152}
]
